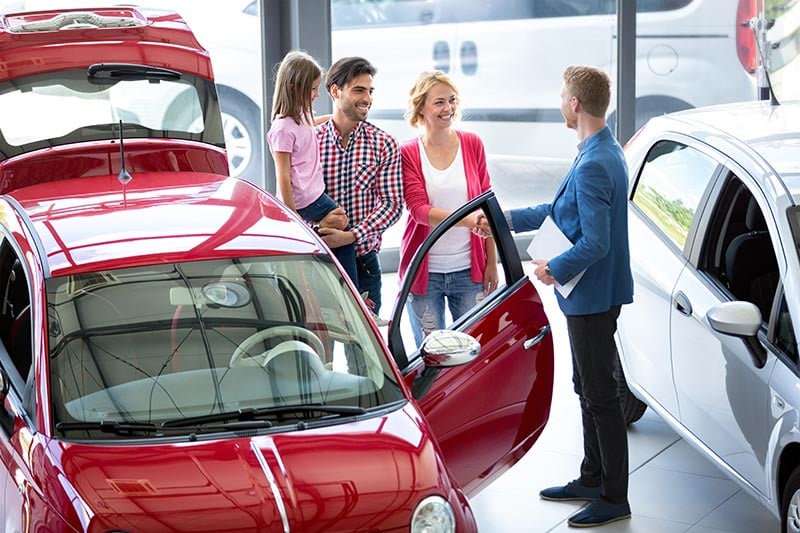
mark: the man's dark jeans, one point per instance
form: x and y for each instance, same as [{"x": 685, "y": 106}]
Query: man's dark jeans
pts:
[{"x": 605, "y": 437}]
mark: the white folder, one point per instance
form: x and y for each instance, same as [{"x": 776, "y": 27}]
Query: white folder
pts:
[{"x": 548, "y": 243}]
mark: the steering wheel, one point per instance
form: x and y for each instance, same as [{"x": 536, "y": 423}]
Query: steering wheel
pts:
[{"x": 241, "y": 357}]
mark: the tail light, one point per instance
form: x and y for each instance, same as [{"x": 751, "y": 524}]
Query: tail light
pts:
[{"x": 745, "y": 37}]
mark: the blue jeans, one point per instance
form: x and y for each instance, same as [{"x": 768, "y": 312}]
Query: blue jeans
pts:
[
  {"x": 369, "y": 277},
  {"x": 316, "y": 211},
  {"x": 426, "y": 311}
]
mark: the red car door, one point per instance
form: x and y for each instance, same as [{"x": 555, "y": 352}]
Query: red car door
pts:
[{"x": 487, "y": 413}]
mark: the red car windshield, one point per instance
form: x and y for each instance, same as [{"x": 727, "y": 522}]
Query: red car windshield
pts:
[{"x": 170, "y": 344}]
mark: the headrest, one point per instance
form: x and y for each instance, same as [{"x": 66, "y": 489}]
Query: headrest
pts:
[{"x": 754, "y": 219}]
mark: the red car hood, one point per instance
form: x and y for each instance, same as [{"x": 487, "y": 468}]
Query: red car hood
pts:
[{"x": 364, "y": 476}]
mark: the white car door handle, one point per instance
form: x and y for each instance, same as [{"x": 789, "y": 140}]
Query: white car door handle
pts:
[
  {"x": 530, "y": 343},
  {"x": 682, "y": 303}
]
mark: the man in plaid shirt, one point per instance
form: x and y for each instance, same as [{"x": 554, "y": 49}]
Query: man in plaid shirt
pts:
[{"x": 362, "y": 170}]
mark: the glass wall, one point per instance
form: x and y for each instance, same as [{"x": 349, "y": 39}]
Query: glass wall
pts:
[{"x": 507, "y": 57}]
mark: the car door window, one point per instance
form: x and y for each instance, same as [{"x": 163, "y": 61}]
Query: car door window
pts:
[
  {"x": 671, "y": 186},
  {"x": 738, "y": 252},
  {"x": 509, "y": 270}
]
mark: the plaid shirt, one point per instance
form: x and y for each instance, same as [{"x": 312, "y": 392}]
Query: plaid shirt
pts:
[{"x": 365, "y": 179}]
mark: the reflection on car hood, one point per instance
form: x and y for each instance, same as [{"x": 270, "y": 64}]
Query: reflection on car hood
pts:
[
  {"x": 89, "y": 224},
  {"x": 364, "y": 476}
]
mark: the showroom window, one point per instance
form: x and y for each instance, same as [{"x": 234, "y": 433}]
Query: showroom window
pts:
[
  {"x": 686, "y": 57},
  {"x": 671, "y": 186}
]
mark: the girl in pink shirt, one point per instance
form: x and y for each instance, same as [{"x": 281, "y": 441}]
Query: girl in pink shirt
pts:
[{"x": 295, "y": 150}]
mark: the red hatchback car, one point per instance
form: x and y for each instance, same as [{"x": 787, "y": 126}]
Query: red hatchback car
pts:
[{"x": 179, "y": 352}]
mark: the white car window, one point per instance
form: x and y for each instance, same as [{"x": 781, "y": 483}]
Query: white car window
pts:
[{"x": 670, "y": 187}]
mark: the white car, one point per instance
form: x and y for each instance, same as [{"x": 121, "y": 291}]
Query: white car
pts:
[
  {"x": 710, "y": 340},
  {"x": 507, "y": 58}
]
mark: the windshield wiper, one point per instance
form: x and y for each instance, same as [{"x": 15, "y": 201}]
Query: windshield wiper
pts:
[
  {"x": 109, "y": 426},
  {"x": 252, "y": 413}
]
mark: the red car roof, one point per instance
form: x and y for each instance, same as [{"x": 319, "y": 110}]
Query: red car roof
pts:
[
  {"x": 101, "y": 35},
  {"x": 90, "y": 224}
]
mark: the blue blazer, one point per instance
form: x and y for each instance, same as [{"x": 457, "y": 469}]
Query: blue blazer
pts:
[{"x": 591, "y": 209}]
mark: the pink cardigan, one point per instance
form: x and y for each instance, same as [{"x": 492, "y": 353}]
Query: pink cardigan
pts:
[{"x": 418, "y": 205}]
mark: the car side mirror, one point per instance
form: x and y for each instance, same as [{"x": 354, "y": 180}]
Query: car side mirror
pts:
[
  {"x": 440, "y": 349},
  {"x": 739, "y": 319},
  {"x": 443, "y": 348}
]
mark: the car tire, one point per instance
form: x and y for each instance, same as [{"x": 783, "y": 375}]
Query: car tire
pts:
[
  {"x": 790, "y": 506},
  {"x": 241, "y": 122},
  {"x": 632, "y": 407}
]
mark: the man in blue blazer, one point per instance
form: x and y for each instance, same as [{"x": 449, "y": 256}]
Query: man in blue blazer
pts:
[{"x": 590, "y": 208}]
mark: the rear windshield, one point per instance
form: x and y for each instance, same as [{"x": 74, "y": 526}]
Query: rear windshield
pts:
[{"x": 69, "y": 107}]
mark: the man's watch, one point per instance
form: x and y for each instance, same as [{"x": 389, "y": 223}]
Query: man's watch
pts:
[{"x": 547, "y": 270}]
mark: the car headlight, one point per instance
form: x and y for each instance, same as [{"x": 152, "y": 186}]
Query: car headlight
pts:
[{"x": 433, "y": 515}]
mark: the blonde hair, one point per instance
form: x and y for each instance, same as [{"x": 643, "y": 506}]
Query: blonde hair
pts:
[
  {"x": 591, "y": 86},
  {"x": 294, "y": 82},
  {"x": 419, "y": 92}
]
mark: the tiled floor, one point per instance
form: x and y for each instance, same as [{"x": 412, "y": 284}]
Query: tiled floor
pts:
[{"x": 672, "y": 488}]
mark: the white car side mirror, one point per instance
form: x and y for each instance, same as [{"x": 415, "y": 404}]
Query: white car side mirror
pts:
[
  {"x": 740, "y": 319},
  {"x": 449, "y": 348}
]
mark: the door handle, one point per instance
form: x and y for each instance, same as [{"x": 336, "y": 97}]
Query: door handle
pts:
[
  {"x": 682, "y": 303},
  {"x": 441, "y": 56},
  {"x": 530, "y": 343}
]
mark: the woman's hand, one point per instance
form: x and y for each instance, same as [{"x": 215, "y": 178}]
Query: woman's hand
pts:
[{"x": 490, "y": 278}]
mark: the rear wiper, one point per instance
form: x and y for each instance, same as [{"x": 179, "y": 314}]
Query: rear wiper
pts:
[
  {"x": 110, "y": 73},
  {"x": 252, "y": 413}
]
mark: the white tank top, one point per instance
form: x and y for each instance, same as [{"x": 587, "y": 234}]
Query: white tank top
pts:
[{"x": 447, "y": 189}]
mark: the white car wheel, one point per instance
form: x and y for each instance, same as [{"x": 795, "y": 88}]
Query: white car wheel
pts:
[
  {"x": 241, "y": 125},
  {"x": 790, "y": 515},
  {"x": 238, "y": 143}
]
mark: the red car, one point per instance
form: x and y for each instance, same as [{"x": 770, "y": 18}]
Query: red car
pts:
[{"x": 179, "y": 352}]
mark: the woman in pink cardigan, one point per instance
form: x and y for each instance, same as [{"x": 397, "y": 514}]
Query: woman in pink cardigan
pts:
[{"x": 443, "y": 169}]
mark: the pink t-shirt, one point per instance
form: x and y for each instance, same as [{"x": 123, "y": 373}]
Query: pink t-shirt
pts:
[{"x": 299, "y": 140}]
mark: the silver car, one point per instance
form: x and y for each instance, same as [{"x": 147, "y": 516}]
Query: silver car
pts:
[{"x": 710, "y": 341}]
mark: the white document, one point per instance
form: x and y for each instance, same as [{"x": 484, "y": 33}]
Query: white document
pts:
[{"x": 547, "y": 244}]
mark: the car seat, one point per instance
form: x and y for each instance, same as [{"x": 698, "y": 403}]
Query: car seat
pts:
[{"x": 751, "y": 267}]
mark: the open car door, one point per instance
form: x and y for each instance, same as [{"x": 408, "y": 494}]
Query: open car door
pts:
[{"x": 487, "y": 412}]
